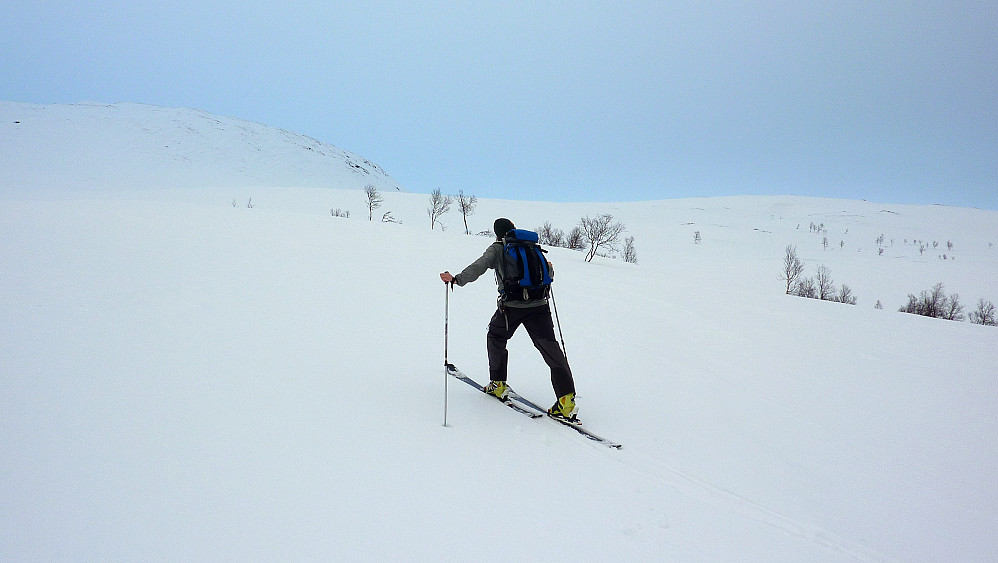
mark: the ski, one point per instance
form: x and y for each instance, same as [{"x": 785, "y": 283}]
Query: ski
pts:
[
  {"x": 531, "y": 409},
  {"x": 458, "y": 374},
  {"x": 577, "y": 426},
  {"x": 587, "y": 433},
  {"x": 525, "y": 402}
]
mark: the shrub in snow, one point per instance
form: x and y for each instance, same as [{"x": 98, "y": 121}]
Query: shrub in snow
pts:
[
  {"x": 550, "y": 236},
  {"x": 825, "y": 284},
  {"x": 935, "y": 303},
  {"x": 985, "y": 314},
  {"x": 819, "y": 287},
  {"x": 806, "y": 288},
  {"x": 630, "y": 254},
  {"x": 575, "y": 239},
  {"x": 845, "y": 295}
]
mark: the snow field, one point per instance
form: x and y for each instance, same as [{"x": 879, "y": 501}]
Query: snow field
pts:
[{"x": 187, "y": 380}]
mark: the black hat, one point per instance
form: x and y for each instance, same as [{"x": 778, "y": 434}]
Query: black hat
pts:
[{"x": 502, "y": 226}]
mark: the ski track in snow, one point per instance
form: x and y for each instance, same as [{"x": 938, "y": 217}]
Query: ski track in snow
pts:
[{"x": 702, "y": 491}]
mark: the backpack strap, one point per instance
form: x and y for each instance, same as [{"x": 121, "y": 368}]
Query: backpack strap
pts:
[
  {"x": 501, "y": 263},
  {"x": 522, "y": 251}
]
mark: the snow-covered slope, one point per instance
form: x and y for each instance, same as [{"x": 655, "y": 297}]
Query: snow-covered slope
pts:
[
  {"x": 133, "y": 146},
  {"x": 181, "y": 379}
]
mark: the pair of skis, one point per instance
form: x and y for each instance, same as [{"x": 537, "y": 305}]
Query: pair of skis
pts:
[{"x": 531, "y": 409}]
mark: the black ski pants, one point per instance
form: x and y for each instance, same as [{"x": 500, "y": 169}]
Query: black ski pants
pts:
[{"x": 540, "y": 327}]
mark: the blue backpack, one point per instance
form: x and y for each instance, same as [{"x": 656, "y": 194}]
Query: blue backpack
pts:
[{"x": 525, "y": 275}]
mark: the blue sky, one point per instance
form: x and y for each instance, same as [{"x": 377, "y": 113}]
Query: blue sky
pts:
[{"x": 563, "y": 101}]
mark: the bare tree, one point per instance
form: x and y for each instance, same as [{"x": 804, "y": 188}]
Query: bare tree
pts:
[
  {"x": 374, "y": 200},
  {"x": 935, "y": 301},
  {"x": 819, "y": 287},
  {"x": 439, "y": 204},
  {"x": 845, "y": 295},
  {"x": 922, "y": 305},
  {"x": 931, "y": 303},
  {"x": 550, "y": 236},
  {"x": 630, "y": 254},
  {"x": 575, "y": 239},
  {"x": 826, "y": 286},
  {"x": 985, "y": 314},
  {"x": 601, "y": 232},
  {"x": 806, "y": 288},
  {"x": 792, "y": 267},
  {"x": 466, "y": 205},
  {"x": 953, "y": 311}
]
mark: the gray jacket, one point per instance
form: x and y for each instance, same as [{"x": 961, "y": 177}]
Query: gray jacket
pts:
[{"x": 492, "y": 259}]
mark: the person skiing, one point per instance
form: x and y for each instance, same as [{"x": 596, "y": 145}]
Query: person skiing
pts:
[{"x": 514, "y": 309}]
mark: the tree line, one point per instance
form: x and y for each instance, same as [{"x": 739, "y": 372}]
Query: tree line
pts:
[
  {"x": 597, "y": 236},
  {"x": 933, "y": 302},
  {"x": 819, "y": 287}
]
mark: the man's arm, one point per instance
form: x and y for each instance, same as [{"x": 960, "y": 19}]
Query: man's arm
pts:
[{"x": 475, "y": 269}]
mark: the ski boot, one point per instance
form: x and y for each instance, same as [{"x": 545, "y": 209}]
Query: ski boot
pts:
[
  {"x": 564, "y": 409},
  {"x": 498, "y": 389}
]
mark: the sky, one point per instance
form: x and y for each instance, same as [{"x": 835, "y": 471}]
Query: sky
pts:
[{"x": 892, "y": 102}]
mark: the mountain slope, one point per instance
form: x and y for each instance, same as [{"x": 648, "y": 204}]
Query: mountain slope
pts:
[
  {"x": 134, "y": 146},
  {"x": 188, "y": 380}
]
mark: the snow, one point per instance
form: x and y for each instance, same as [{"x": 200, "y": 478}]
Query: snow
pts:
[
  {"x": 181, "y": 379},
  {"x": 107, "y": 147}
]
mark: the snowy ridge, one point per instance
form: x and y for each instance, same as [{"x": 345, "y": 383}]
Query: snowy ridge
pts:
[{"x": 135, "y": 146}]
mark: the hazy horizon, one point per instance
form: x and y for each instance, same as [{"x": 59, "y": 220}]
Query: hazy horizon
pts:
[{"x": 564, "y": 102}]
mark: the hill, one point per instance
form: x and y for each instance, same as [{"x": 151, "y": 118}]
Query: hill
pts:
[
  {"x": 186, "y": 379},
  {"x": 91, "y": 146}
]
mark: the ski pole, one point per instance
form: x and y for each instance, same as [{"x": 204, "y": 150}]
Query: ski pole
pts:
[
  {"x": 446, "y": 326},
  {"x": 558, "y": 321}
]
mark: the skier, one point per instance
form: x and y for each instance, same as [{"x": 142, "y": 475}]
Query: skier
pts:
[{"x": 512, "y": 311}]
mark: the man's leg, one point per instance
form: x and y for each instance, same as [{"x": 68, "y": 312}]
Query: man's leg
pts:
[
  {"x": 540, "y": 327},
  {"x": 501, "y": 329}
]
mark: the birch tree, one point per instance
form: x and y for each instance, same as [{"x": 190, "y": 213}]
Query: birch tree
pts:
[
  {"x": 601, "y": 233},
  {"x": 439, "y": 204}
]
